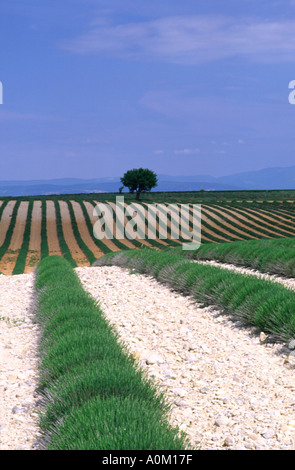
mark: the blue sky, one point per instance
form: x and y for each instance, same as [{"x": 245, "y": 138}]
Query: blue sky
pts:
[{"x": 92, "y": 88}]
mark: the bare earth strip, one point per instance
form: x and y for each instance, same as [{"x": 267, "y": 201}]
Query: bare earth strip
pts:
[
  {"x": 222, "y": 221},
  {"x": 229, "y": 217},
  {"x": 128, "y": 232},
  {"x": 5, "y": 220},
  {"x": 122, "y": 238},
  {"x": 9, "y": 259},
  {"x": 84, "y": 232},
  {"x": 52, "y": 238},
  {"x": 268, "y": 224},
  {"x": 151, "y": 212},
  {"x": 268, "y": 215},
  {"x": 109, "y": 243},
  {"x": 259, "y": 223},
  {"x": 111, "y": 225},
  {"x": 274, "y": 222},
  {"x": 203, "y": 236},
  {"x": 284, "y": 212},
  {"x": 204, "y": 229},
  {"x": 69, "y": 236},
  {"x": 34, "y": 254},
  {"x": 240, "y": 217},
  {"x": 213, "y": 225}
]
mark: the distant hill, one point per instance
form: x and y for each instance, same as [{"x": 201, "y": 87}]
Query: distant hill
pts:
[
  {"x": 49, "y": 187},
  {"x": 70, "y": 186},
  {"x": 268, "y": 178}
]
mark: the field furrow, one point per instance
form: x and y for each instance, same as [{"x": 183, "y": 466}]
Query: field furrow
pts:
[
  {"x": 274, "y": 217},
  {"x": 119, "y": 230},
  {"x": 32, "y": 229},
  {"x": 170, "y": 233},
  {"x": 245, "y": 222},
  {"x": 130, "y": 234},
  {"x": 53, "y": 242},
  {"x": 268, "y": 224},
  {"x": 5, "y": 220},
  {"x": 224, "y": 225},
  {"x": 84, "y": 232},
  {"x": 144, "y": 223},
  {"x": 94, "y": 220},
  {"x": 34, "y": 252},
  {"x": 9, "y": 259},
  {"x": 212, "y": 228},
  {"x": 77, "y": 254}
]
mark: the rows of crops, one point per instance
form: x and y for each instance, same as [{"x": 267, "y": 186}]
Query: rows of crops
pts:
[
  {"x": 31, "y": 229},
  {"x": 94, "y": 395},
  {"x": 273, "y": 256},
  {"x": 259, "y": 302}
]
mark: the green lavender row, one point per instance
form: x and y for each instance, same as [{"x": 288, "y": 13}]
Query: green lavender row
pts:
[
  {"x": 267, "y": 305},
  {"x": 275, "y": 256},
  {"x": 94, "y": 396}
]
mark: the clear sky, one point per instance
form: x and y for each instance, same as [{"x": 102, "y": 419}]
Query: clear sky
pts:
[{"x": 92, "y": 88}]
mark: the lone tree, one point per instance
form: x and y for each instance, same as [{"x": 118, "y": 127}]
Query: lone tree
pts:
[{"x": 139, "y": 180}]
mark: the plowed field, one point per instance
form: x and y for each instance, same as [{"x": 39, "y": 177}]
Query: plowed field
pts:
[{"x": 66, "y": 227}]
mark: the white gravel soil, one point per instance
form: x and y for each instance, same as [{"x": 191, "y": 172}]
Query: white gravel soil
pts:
[
  {"x": 229, "y": 388},
  {"x": 18, "y": 364}
]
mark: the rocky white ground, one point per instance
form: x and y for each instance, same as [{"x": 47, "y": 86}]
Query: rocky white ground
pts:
[
  {"x": 18, "y": 364},
  {"x": 229, "y": 388}
]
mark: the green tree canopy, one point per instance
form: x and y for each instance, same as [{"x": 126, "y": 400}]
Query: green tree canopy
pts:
[{"x": 140, "y": 179}]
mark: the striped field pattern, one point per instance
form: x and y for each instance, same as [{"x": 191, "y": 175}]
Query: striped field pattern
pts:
[{"x": 32, "y": 229}]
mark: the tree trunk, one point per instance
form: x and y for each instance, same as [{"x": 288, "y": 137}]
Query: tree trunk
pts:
[{"x": 138, "y": 194}]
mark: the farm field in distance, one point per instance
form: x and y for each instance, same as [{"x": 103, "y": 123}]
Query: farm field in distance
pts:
[{"x": 34, "y": 227}]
